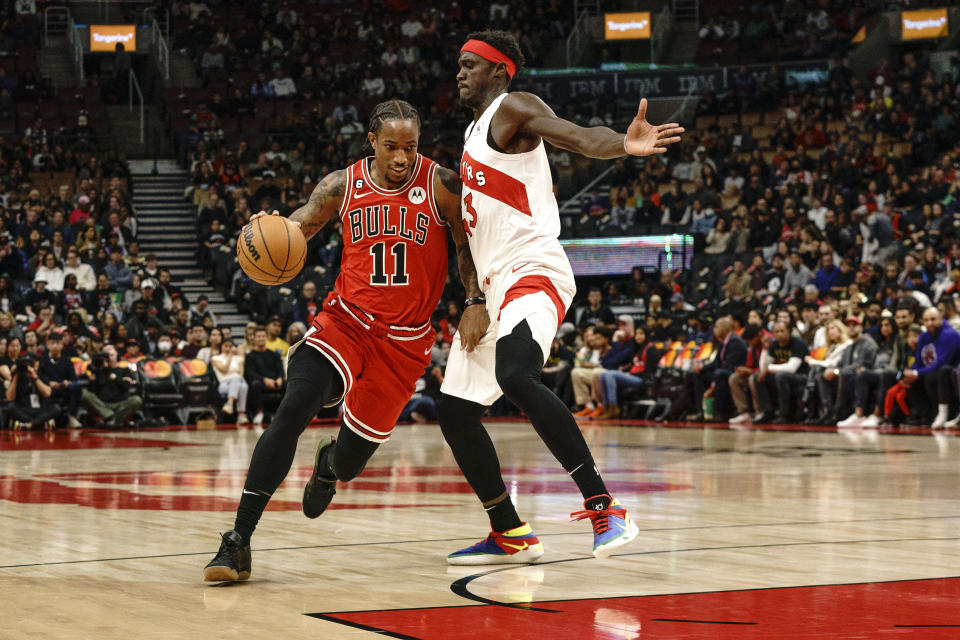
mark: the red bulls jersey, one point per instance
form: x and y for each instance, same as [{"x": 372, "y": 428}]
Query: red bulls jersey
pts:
[{"x": 394, "y": 263}]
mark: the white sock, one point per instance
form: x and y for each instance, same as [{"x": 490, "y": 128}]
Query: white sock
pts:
[{"x": 942, "y": 410}]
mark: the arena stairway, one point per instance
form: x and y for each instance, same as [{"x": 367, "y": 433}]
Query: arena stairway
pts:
[{"x": 166, "y": 226}]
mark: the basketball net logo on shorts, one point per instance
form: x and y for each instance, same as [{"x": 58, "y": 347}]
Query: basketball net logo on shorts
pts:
[{"x": 417, "y": 195}]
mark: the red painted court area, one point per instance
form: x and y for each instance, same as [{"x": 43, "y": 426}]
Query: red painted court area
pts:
[
  {"x": 191, "y": 490},
  {"x": 925, "y": 609}
]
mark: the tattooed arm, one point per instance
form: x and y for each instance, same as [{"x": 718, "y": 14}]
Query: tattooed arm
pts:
[
  {"x": 474, "y": 322},
  {"x": 324, "y": 204}
]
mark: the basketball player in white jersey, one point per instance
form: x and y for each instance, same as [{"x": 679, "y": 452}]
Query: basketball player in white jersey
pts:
[{"x": 512, "y": 223}]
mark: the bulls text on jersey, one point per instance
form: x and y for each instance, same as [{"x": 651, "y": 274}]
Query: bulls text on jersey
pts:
[{"x": 384, "y": 220}]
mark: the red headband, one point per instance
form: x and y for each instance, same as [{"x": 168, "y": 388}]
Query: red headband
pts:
[{"x": 491, "y": 53}]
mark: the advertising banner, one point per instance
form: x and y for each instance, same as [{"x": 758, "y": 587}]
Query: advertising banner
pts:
[
  {"x": 929, "y": 23},
  {"x": 611, "y": 256},
  {"x": 104, "y": 37},
  {"x": 665, "y": 83},
  {"x": 627, "y": 26}
]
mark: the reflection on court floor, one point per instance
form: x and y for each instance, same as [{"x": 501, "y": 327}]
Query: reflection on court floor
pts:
[{"x": 780, "y": 533}]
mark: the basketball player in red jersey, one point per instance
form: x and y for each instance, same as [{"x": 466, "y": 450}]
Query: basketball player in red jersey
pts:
[
  {"x": 372, "y": 340},
  {"x": 512, "y": 223}
]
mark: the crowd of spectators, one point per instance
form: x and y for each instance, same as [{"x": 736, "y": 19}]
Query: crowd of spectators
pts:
[
  {"x": 826, "y": 262},
  {"x": 745, "y": 33},
  {"x": 812, "y": 203},
  {"x": 283, "y": 107},
  {"x": 823, "y": 217}
]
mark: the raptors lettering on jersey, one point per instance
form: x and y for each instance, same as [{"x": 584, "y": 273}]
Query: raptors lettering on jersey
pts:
[
  {"x": 510, "y": 214},
  {"x": 394, "y": 262}
]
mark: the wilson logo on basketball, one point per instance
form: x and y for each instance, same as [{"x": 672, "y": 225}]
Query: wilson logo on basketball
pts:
[{"x": 248, "y": 240}]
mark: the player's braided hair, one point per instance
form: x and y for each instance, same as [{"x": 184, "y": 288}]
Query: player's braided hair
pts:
[
  {"x": 392, "y": 110},
  {"x": 505, "y": 43}
]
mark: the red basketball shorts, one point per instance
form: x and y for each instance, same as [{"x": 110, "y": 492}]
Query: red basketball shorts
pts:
[{"x": 379, "y": 366}]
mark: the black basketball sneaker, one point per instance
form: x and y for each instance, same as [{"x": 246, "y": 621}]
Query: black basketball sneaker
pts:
[
  {"x": 322, "y": 485},
  {"x": 232, "y": 561}
]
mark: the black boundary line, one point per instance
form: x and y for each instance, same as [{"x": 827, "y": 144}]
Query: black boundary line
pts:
[
  {"x": 701, "y": 621},
  {"x": 654, "y": 595},
  {"x": 331, "y": 616},
  {"x": 542, "y": 535},
  {"x": 363, "y": 627},
  {"x": 459, "y": 587},
  {"x": 203, "y": 553}
]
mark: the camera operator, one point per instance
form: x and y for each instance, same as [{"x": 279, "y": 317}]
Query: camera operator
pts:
[
  {"x": 108, "y": 395},
  {"x": 27, "y": 394},
  {"x": 57, "y": 369}
]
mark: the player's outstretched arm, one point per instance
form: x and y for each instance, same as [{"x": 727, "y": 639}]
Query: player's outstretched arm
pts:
[
  {"x": 324, "y": 203},
  {"x": 474, "y": 322},
  {"x": 533, "y": 117}
]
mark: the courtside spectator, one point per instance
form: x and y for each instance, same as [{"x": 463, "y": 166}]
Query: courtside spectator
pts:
[{"x": 263, "y": 369}]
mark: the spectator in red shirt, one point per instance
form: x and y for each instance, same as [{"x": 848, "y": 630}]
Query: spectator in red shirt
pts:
[
  {"x": 82, "y": 212},
  {"x": 810, "y": 138},
  {"x": 307, "y": 305}
]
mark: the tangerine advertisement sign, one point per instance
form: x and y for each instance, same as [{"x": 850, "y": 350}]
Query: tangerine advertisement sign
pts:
[
  {"x": 627, "y": 26},
  {"x": 930, "y": 23},
  {"x": 104, "y": 37}
]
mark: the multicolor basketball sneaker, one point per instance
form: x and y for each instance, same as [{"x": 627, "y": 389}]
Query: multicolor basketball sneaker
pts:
[
  {"x": 612, "y": 527},
  {"x": 517, "y": 545}
]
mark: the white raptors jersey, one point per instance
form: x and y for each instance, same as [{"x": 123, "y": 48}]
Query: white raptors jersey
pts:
[{"x": 510, "y": 214}]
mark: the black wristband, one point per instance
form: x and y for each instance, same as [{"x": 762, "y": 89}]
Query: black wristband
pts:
[{"x": 475, "y": 300}]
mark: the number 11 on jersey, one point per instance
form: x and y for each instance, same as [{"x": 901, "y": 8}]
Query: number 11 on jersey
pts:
[{"x": 379, "y": 276}]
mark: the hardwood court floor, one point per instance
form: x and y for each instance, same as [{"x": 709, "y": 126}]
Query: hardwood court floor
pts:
[{"x": 786, "y": 533}]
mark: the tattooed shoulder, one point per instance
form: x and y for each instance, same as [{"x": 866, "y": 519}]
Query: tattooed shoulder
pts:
[
  {"x": 324, "y": 203},
  {"x": 332, "y": 186},
  {"x": 450, "y": 180}
]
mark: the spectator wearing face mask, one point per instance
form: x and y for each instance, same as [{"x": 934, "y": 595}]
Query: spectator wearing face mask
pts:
[{"x": 164, "y": 347}]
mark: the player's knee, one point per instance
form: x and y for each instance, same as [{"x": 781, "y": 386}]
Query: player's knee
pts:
[
  {"x": 453, "y": 409},
  {"x": 455, "y": 414},
  {"x": 515, "y": 377},
  {"x": 350, "y": 456},
  {"x": 292, "y": 417}
]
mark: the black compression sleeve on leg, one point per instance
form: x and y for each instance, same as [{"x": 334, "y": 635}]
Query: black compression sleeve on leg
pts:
[
  {"x": 350, "y": 454},
  {"x": 519, "y": 361},
  {"x": 312, "y": 382},
  {"x": 475, "y": 454},
  {"x": 471, "y": 446}
]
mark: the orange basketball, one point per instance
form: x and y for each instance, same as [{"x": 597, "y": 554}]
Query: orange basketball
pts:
[{"x": 271, "y": 250}]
